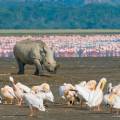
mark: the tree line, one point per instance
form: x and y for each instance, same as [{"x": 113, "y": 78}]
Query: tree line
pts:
[{"x": 49, "y": 15}]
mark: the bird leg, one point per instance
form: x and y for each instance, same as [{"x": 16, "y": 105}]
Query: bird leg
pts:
[
  {"x": 81, "y": 103},
  {"x": 93, "y": 109},
  {"x": 19, "y": 102},
  {"x": 10, "y": 100},
  {"x": 111, "y": 110},
  {"x": 31, "y": 111},
  {"x": 99, "y": 108},
  {"x": 35, "y": 110},
  {"x": 5, "y": 102},
  {"x": 118, "y": 112},
  {"x": 68, "y": 103}
]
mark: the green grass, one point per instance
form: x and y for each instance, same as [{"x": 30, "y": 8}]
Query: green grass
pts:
[{"x": 58, "y": 31}]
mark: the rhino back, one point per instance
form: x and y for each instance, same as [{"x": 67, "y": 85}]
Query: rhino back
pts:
[{"x": 26, "y": 51}]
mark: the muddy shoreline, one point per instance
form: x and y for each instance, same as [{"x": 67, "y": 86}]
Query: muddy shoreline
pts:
[{"x": 72, "y": 70}]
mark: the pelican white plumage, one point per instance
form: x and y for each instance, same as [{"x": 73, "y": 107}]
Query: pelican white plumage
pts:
[
  {"x": 82, "y": 83},
  {"x": 68, "y": 93},
  {"x": 90, "y": 85},
  {"x": 46, "y": 96},
  {"x": 18, "y": 92},
  {"x": 116, "y": 103},
  {"x": 112, "y": 98},
  {"x": 33, "y": 101},
  {"x": 43, "y": 87},
  {"x": 65, "y": 87},
  {"x": 23, "y": 87},
  {"x": 8, "y": 94},
  {"x": 93, "y": 98},
  {"x": 71, "y": 97},
  {"x": 109, "y": 88}
]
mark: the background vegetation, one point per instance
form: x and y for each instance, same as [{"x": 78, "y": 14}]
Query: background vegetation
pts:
[{"x": 30, "y": 14}]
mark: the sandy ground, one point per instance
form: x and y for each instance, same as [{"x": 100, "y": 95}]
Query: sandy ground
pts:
[{"x": 72, "y": 70}]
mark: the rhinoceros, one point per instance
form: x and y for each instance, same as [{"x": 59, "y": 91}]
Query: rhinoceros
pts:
[{"x": 34, "y": 53}]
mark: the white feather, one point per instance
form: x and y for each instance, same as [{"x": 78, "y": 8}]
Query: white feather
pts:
[
  {"x": 92, "y": 98},
  {"x": 23, "y": 87},
  {"x": 11, "y": 79},
  {"x": 32, "y": 100},
  {"x": 46, "y": 96}
]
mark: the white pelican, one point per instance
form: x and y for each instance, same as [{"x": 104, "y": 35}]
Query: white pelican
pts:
[
  {"x": 113, "y": 100},
  {"x": 67, "y": 92},
  {"x": 91, "y": 85},
  {"x": 65, "y": 87},
  {"x": 43, "y": 87},
  {"x": 116, "y": 103},
  {"x": 8, "y": 94},
  {"x": 93, "y": 98},
  {"x": 33, "y": 101},
  {"x": 113, "y": 97},
  {"x": 71, "y": 97},
  {"x": 18, "y": 92}
]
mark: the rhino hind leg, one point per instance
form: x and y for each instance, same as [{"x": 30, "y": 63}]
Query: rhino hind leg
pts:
[{"x": 21, "y": 67}]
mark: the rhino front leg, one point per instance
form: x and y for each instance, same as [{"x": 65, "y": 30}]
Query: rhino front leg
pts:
[
  {"x": 36, "y": 71},
  {"x": 38, "y": 66}
]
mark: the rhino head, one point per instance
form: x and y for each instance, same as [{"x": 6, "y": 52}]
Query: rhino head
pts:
[{"x": 49, "y": 61}]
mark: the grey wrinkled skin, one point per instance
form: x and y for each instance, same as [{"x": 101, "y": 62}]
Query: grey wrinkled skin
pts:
[{"x": 34, "y": 53}]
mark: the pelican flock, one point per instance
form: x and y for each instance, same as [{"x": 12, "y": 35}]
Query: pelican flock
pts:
[{"x": 88, "y": 93}]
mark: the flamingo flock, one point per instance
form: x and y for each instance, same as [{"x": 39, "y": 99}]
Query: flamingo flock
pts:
[
  {"x": 69, "y": 45},
  {"x": 86, "y": 93}
]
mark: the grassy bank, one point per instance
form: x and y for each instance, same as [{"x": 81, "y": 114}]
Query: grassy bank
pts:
[{"x": 58, "y": 31}]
